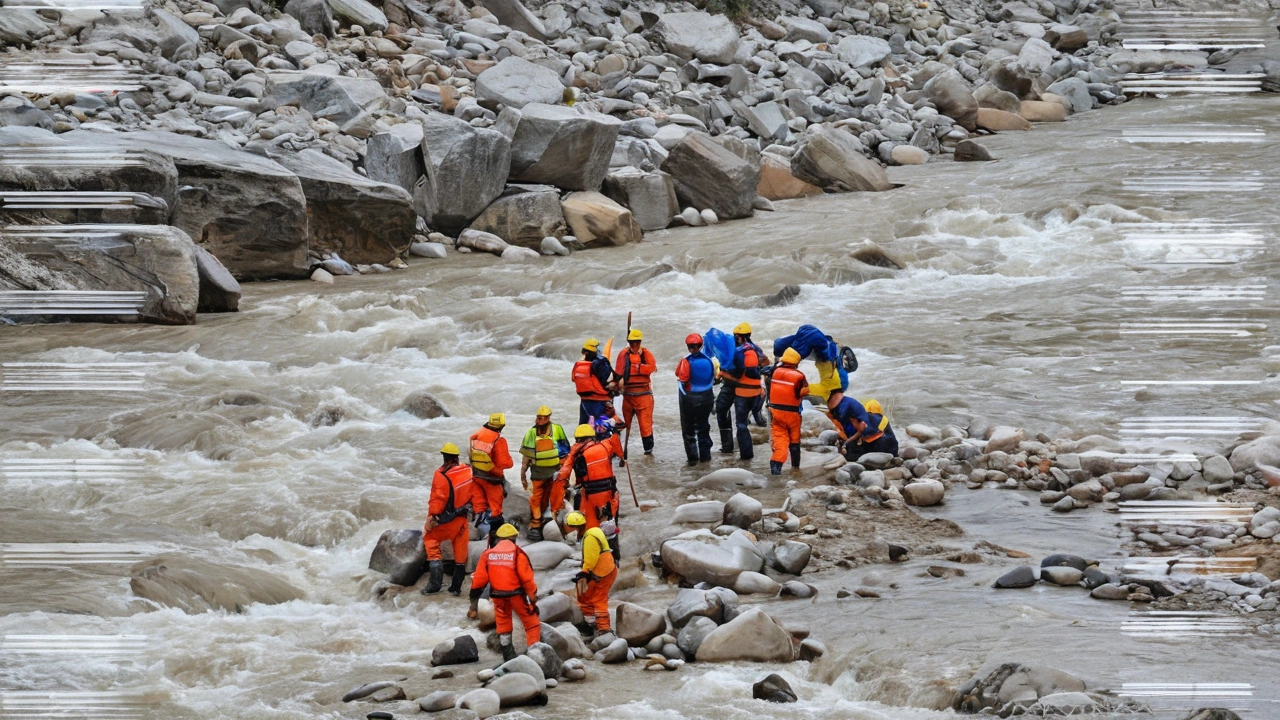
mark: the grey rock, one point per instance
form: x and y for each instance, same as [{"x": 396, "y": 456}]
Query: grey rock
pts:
[
  {"x": 789, "y": 556},
  {"x": 547, "y": 658},
  {"x": 862, "y": 50},
  {"x": 517, "y": 17},
  {"x": 709, "y": 38},
  {"x": 799, "y": 28},
  {"x": 708, "y": 559},
  {"x": 830, "y": 158},
  {"x": 650, "y": 196},
  {"x": 483, "y": 702},
  {"x": 159, "y": 261},
  {"x": 1075, "y": 91},
  {"x": 708, "y": 174},
  {"x": 691, "y": 603},
  {"x": 313, "y": 16},
  {"x": 773, "y": 688},
  {"x": 458, "y": 651},
  {"x": 742, "y": 511},
  {"x": 516, "y": 82},
  {"x": 754, "y": 583},
  {"x": 219, "y": 290},
  {"x": 395, "y": 156},
  {"x": 1020, "y": 577},
  {"x": 1217, "y": 469},
  {"x": 518, "y": 689},
  {"x": 693, "y": 633},
  {"x": 345, "y": 101},
  {"x": 614, "y": 652},
  {"x": 559, "y": 146},
  {"x": 798, "y": 589},
  {"x": 438, "y": 700},
  {"x": 637, "y": 625},
  {"x": 972, "y": 151},
  {"x": 951, "y": 94},
  {"x": 362, "y": 220},
  {"x": 1061, "y": 575},
  {"x": 467, "y": 169},
  {"x": 21, "y": 26},
  {"x": 555, "y": 607},
  {"x": 524, "y": 215},
  {"x": 424, "y": 405},
  {"x": 1063, "y": 560},
  {"x": 752, "y": 636},
  {"x": 401, "y": 555},
  {"x": 359, "y": 12}
]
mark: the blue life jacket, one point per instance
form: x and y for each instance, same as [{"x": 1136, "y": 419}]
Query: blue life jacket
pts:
[{"x": 702, "y": 372}]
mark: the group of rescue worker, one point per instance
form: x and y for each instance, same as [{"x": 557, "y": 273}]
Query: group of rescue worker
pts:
[{"x": 749, "y": 382}]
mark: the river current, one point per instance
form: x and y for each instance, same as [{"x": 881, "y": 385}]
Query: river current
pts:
[{"x": 1035, "y": 291}]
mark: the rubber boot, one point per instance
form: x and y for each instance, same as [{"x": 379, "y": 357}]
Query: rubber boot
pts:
[
  {"x": 508, "y": 649},
  {"x": 726, "y": 441},
  {"x": 436, "y": 569},
  {"x": 534, "y": 533},
  {"x": 795, "y": 456},
  {"x": 459, "y": 574},
  {"x": 585, "y": 629},
  {"x": 775, "y": 467},
  {"x": 648, "y": 444}
]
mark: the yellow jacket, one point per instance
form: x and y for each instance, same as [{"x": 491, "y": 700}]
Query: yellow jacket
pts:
[{"x": 597, "y": 556}]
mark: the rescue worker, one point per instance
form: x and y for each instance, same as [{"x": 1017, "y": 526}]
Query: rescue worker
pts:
[
  {"x": 809, "y": 340},
  {"x": 697, "y": 375},
  {"x": 506, "y": 569},
  {"x": 594, "y": 382},
  {"x": 451, "y": 497},
  {"x": 599, "y": 570},
  {"x": 591, "y": 459},
  {"x": 634, "y": 366},
  {"x": 489, "y": 460},
  {"x": 744, "y": 378},
  {"x": 863, "y": 429},
  {"x": 544, "y": 447},
  {"x": 787, "y": 387}
]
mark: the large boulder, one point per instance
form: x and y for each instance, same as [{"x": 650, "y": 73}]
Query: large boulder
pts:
[
  {"x": 26, "y": 167},
  {"x": 650, "y": 196},
  {"x": 709, "y": 175},
  {"x": 524, "y": 215},
  {"x": 953, "y": 96},
  {"x": 154, "y": 30},
  {"x": 638, "y": 625},
  {"x": 703, "y": 557},
  {"x": 518, "y": 689},
  {"x": 21, "y": 26},
  {"x": 362, "y": 220},
  {"x": 831, "y": 158},
  {"x": 315, "y": 17},
  {"x": 923, "y": 492},
  {"x": 157, "y": 260},
  {"x": 547, "y": 554},
  {"x": 1262, "y": 451},
  {"x": 466, "y": 167},
  {"x": 742, "y": 511},
  {"x": 592, "y": 216},
  {"x": 344, "y": 101},
  {"x": 789, "y": 556},
  {"x": 709, "y": 38},
  {"x": 693, "y": 602},
  {"x": 399, "y": 554},
  {"x": 360, "y": 12},
  {"x": 557, "y": 145},
  {"x": 395, "y": 157},
  {"x": 862, "y": 50},
  {"x": 752, "y": 636},
  {"x": 517, "y": 17},
  {"x": 219, "y": 290},
  {"x": 777, "y": 182},
  {"x": 699, "y": 513},
  {"x": 247, "y": 210},
  {"x": 516, "y": 82}
]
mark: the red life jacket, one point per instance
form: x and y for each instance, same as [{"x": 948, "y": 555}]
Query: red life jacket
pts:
[
  {"x": 586, "y": 382},
  {"x": 459, "y": 482},
  {"x": 599, "y": 464},
  {"x": 504, "y": 570},
  {"x": 637, "y": 383},
  {"x": 783, "y": 389}
]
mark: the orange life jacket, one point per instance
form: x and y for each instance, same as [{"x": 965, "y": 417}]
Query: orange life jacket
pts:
[
  {"x": 637, "y": 381},
  {"x": 482, "y": 454},
  {"x": 458, "y": 481},
  {"x": 783, "y": 389},
  {"x": 749, "y": 387},
  {"x": 505, "y": 578},
  {"x": 599, "y": 462},
  {"x": 586, "y": 382}
]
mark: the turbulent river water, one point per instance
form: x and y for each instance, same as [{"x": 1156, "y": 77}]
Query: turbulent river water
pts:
[{"x": 1025, "y": 283}]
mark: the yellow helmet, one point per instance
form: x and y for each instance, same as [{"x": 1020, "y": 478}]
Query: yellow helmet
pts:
[
  {"x": 634, "y": 335},
  {"x": 743, "y": 328},
  {"x": 575, "y": 518},
  {"x": 544, "y": 411},
  {"x": 507, "y": 531},
  {"x": 791, "y": 357},
  {"x": 873, "y": 406},
  {"x": 498, "y": 419},
  {"x": 450, "y": 449},
  {"x": 593, "y": 345},
  {"x": 584, "y": 431}
]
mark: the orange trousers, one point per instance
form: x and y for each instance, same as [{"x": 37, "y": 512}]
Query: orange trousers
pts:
[
  {"x": 491, "y": 496},
  {"x": 544, "y": 495},
  {"x": 784, "y": 431},
  {"x": 502, "y": 608},
  {"x": 598, "y": 507},
  {"x": 641, "y": 407},
  {"x": 454, "y": 531},
  {"x": 594, "y": 603}
]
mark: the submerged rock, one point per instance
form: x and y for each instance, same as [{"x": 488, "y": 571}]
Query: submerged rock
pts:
[
  {"x": 773, "y": 688},
  {"x": 196, "y": 586},
  {"x": 401, "y": 555}
]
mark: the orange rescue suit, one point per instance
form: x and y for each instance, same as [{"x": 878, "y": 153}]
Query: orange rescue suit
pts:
[
  {"x": 506, "y": 569},
  {"x": 787, "y": 386},
  {"x": 452, "y": 491},
  {"x": 587, "y": 384},
  {"x": 594, "y": 460},
  {"x": 489, "y": 459},
  {"x": 637, "y": 391}
]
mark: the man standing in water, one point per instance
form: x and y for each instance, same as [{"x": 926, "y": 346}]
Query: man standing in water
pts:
[
  {"x": 489, "y": 460},
  {"x": 594, "y": 581},
  {"x": 787, "y": 386},
  {"x": 544, "y": 447},
  {"x": 507, "y": 571},
  {"x": 451, "y": 496},
  {"x": 634, "y": 366},
  {"x": 697, "y": 375},
  {"x": 593, "y": 380},
  {"x": 745, "y": 380}
]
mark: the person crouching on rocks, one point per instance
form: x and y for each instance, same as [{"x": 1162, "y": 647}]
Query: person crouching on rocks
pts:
[
  {"x": 506, "y": 569},
  {"x": 863, "y": 429},
  {"x": 593, "y": 582},
  {"x": 451, "y": 495}
]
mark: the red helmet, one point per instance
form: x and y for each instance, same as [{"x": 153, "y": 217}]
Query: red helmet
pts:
[{"x": 693, "y": 339}]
